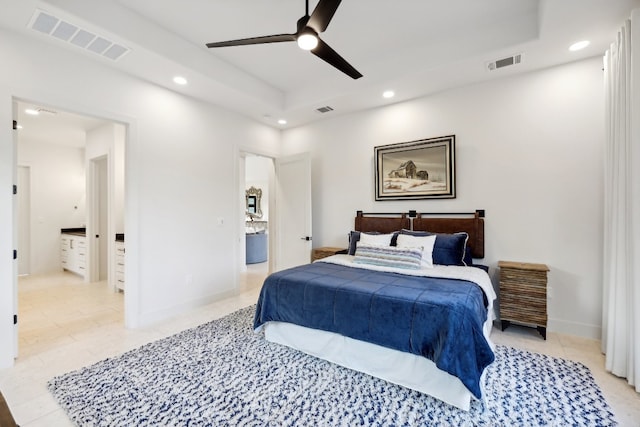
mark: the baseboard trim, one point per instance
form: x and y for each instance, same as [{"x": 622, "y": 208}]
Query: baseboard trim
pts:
[
  {"x": 574, "y": 328},
  {"x": 148, "y": 319},
  {"x": 561, "y": 326}
]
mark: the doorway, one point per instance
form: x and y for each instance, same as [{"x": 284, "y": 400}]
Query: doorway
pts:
[
  {"x": 256, "y": 183},
  {"x": 62, "y": 160},
  {"x": 289, "y": 208}
]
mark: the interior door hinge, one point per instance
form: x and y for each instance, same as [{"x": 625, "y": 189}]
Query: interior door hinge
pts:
[
  {"x": 15, "y": 125},
  {"x": 15, "y": 189},
  {"x": 15, "y": 254},
  {"x": 15, "y": 319}
]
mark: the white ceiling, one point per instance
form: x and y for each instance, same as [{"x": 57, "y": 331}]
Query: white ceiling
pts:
[
  {"x": 53, "y": 126},
  {"x": 414, "y": 47}
]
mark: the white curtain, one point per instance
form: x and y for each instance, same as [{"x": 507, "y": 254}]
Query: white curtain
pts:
[{"x": 621, "y": 266}]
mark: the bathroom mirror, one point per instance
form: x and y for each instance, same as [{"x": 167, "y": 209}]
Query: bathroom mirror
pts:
[{"x": 253, "y": 196}]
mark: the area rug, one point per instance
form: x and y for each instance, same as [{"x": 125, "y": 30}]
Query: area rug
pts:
[{"x": 224, "y": 374}]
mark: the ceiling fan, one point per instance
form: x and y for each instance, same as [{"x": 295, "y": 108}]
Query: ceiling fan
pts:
[{"x": 307, "y": 37}]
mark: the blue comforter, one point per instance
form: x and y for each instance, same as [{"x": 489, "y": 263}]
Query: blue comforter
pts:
[{"x": 440, "y": 319}]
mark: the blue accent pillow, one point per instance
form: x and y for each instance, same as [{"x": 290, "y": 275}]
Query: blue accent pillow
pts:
[
  {"x": 449, "y": 249},
  {"x": 468, "y": 259}
]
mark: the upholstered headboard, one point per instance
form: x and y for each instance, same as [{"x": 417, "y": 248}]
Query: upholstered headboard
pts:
[
  {"x": 382, "y": 223},
  {"x": 471, "y": 223},
  {"x": 473, "y": 226}
]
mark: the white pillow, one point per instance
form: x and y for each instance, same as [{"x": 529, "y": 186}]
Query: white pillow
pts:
[
  {"x": 375, "y": 239},
  {"x": 427, "y": 242}
]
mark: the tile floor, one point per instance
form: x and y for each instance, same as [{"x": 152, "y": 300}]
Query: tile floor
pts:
[{"x": 66, "y": 324}]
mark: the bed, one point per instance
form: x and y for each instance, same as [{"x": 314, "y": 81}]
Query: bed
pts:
[{"x": 426, "y": 328}]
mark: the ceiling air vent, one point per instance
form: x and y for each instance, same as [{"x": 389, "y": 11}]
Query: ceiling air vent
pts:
[
  {"x": 504, "y": 62},
  {"x": 46, "y": 111},
  {"x": 46, "y": 23},
  {"x": 324, "y": 109}
]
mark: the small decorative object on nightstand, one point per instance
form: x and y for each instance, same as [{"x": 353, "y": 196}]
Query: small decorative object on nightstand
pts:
[
  {"x": 324, "y": 252},
  {"x": 523, "y": 294}
]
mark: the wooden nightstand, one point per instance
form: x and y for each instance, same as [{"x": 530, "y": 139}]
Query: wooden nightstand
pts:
[
  {"x": 523, "y": 294},
  {"x": 324, "y": 252}
]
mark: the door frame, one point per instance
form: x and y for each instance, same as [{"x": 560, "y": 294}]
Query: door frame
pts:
[
  {"x": 241, "y": 154},
  {"x": 275, "y": 229},
  {"x": 20, "y": 218},
  {"x": 132, "y": 316}
]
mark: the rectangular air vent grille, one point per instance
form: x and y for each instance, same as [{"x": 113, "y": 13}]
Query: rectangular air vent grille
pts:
[
  {"x": 46, "y": 111},
  {"x": 324, "y": 109},
  {"x": 504, "y": 62},
  {"x": 49, "y": 24}
]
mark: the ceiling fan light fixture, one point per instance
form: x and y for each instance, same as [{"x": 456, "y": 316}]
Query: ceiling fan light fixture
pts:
[
  {"x": 308, "y": 27},
  {"x": 307, "y": 40}
]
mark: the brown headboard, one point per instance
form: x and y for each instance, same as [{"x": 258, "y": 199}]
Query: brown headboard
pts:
[
  {"x": 471, "y": 223},
  {"x": 380, "y": 223},
  {"x": 474, "y": 227}
]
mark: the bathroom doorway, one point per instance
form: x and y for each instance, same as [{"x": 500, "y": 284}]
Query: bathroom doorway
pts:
[{"x": 257, "y": 175}]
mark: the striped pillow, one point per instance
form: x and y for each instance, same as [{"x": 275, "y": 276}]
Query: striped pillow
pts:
[{"x": 389, "y": 256}]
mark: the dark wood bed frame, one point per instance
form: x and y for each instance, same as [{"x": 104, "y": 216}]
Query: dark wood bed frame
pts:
[{"x": 472, "y": 223}]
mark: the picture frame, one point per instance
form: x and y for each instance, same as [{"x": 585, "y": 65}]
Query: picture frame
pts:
[
  {"x": 253, "y": 202},
  {"x": 422, "y": 169}
]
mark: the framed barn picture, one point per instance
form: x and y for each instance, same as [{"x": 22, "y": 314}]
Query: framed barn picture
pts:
[{"x": 423, "y": 169}]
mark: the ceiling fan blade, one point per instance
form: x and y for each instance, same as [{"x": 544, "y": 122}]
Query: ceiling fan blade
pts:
[
  {"x": 322, "y": 14},
  {"x": 324, "y": 52},
  {"x": 278, "y": 38}
]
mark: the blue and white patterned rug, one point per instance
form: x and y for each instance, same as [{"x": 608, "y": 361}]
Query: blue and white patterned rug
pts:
[{"x": 223, "y": 374}]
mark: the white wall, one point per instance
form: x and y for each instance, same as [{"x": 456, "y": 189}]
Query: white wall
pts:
[
  {"x": 109, "y": 139},
  {"x": 106, "y": 140},
  {"x": 528, "y": 150},
  {"x": 57, "y": 198},
  {"x": 181, "y": 177}
]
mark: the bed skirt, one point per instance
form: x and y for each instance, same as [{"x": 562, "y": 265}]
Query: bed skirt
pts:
[{"x": 405, "y": 369}]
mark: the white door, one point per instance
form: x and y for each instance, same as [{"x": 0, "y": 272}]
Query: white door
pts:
[
  {"x": 23, "y": 200},
  {"x": 98, "y": 220},
  {"x": 293, "y": 210},
  {"x": 103, "y": 217}
]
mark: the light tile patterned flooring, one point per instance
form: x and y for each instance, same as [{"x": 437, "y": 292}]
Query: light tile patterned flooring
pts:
[{"x": 66, "y": 324}]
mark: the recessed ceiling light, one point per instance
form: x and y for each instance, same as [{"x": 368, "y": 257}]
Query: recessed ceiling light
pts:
[
  {"x": 579, "y": 45},
  {"x": 32, "y": 111},
  {"x": 282, "y": 122},
  {"x": 388, "y": 94},
  {"x": 179, "y": 80}
]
